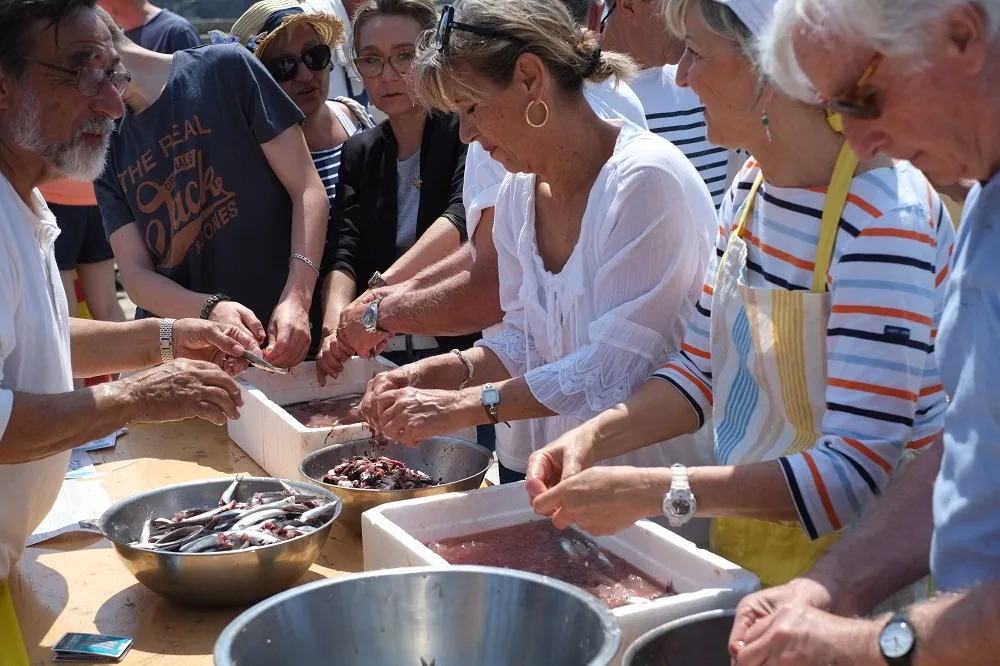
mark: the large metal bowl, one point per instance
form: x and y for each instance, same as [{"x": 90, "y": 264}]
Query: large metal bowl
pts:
[
  {"x": 458, "y": 464},
  {"x": 430, "y": 615},
  {"x": 211, "y": 579},
  {"x": 696, "y": 640}
]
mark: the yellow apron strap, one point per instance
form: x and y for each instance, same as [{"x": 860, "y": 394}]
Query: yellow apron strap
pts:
[
  {"x": 833, "y": 208},
  {"x": 748, "y": 206},
  {"x": 12, "y": 650}
]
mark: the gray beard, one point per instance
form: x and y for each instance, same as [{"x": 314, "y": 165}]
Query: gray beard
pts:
[{"x": 76, "y": 159}]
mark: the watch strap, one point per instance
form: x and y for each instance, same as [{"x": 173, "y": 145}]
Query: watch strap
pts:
[
  {"x": 377, "y": 281},
  {"x": 166, "y": 340},
  {"x": 679, "y": 477},
  {"x": 210, "y": 303}
]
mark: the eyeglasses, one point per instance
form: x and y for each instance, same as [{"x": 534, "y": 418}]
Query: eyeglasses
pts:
[
  {"x": 372, "y": 66},
  {"x": 858, "y": 102},
  {"x": 447, "y": 23},
  {"x": 604, "y": 21},
  {"x": 316, "y": 58},
  {"x": 90, "y": 81}
]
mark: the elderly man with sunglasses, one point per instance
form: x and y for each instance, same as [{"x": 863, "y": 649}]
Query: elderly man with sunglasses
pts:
[
  {"x": 919, "y": 80},
  {"x": 60, "y": 86}
]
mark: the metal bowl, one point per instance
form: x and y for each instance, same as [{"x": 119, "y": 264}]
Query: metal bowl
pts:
[
  {"x": 696, "y": 640},
  {"x": 211, "y": 579},
  {"x": 428, "y": 615},
  {"x": 458, "y": 464}
]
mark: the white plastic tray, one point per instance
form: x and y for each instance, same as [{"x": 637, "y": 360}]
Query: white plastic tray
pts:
[
  {"x": 273, "y": 438},
  {"x": 394, "y": 536}
]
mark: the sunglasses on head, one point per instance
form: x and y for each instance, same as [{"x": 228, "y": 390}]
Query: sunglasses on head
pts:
[
  {"x": 447, "y": 23},
  {"x": 316, "y": 58},
  {"x": 859, "y": 103}
]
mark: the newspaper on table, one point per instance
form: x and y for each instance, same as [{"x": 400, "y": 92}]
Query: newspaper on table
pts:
[
  {"x": 80, "y": 466},
  {"x": 105, "y": 442},
  {"x": 79, "y": 505}
]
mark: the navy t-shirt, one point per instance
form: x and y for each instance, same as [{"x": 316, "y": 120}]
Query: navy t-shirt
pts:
[
  {"x": 190, "y": 172},
  {"x": 165, "y": 33}
]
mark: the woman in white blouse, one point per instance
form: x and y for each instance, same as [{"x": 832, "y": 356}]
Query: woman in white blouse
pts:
[{"x": 602, "y": 232}]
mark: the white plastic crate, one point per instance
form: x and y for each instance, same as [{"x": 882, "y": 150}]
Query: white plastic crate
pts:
[
  {"x": 394, "y": 536},
  {"x": 273, "y": 438}
]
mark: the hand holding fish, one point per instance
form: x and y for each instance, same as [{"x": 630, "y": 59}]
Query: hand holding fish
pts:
[
  {"x": 379, "y": 384},
  {"x": 231, "y": 313},
  {"x": 221, "y": 344},
  {"x": 288, "y": 334},
  {"x": 352, "y": 336},
  {"x": 410, "y": 414},
  {"x": 570, "y": 454}
]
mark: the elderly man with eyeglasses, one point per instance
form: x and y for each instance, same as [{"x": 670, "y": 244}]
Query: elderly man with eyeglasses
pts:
[
  {"x": 60, "y": 93},
  {"x": 920, "y": 81}
]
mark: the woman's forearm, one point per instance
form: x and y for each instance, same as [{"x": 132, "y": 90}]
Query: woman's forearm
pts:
[
  {"x": 656, "y": 412},
  {"x": 310, "y": 216},
  {"x": 439, "y": 241},
  {"x": 757, "y": 490},
  {"x": 339, "y": 290}
]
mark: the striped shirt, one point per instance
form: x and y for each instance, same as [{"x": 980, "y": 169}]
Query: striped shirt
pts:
[
  {"x": 886, "y": 284},
  {"x": 328, "y": 161},
  {"x": 678, "y": 115}
]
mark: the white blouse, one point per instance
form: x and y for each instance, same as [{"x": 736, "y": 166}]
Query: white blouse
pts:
[{"x": 587, "y": 337}]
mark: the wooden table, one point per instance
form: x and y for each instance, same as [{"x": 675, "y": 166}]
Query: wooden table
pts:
[{"x": 76, "y": 582}]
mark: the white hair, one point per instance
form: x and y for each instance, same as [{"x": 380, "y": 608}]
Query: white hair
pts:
[
  {"x": 896, "y": 28},
  {"x": 75, "y": 159}
]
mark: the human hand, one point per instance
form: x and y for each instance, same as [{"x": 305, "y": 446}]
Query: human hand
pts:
[
  {"x": 796, "y": 635},
  {"x": 231, "y": 313},
  {"x": 411, "y": 414},
  {"x": 799, "y": 593},
  {"x": 604, "y": 500},
  {"x": 330, "y": 359},
  {"x": 182, "y": 389},
  {"x": 381, "y": 383},
  {"x": 352, "y": 335},
  {"x": 288, "y": 333},
  {"x": 570, "y": 454},
  {"x": 221, "y": 344}
]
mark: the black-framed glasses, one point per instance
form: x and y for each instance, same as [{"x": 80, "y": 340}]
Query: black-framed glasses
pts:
[
  {"x": 316, "y": 58},
  {"x": 372, "y": 66},
  {"x": 860, "y": 103},
  {"x": 607, "y": 14},
  {"x": 90, "y": 81},
  {"x": 447, "y": 23}
]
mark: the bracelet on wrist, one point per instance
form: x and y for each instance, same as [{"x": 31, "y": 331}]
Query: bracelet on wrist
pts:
[
  {"x": 304, "y": 259},
  {"x": 210, "y": 303},
  {"x": 468, "y": 366}
]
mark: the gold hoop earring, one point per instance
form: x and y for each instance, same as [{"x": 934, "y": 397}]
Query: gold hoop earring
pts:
[{"x": 527, "y": 114}]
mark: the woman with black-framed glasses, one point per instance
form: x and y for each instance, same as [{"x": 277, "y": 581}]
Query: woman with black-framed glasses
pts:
[{"x": 399, "y": 200}]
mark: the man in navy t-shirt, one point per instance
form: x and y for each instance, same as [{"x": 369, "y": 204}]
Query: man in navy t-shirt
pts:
[
  {"x": 152, "y": 28},
  {"x": 210, "y": 199}
]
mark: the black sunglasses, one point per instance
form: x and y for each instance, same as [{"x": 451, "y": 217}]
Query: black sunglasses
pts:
[
  {"x": 90, "y": 81},
  {"x": 447, "y": 23},
  {"x": 316, "y": 58}
]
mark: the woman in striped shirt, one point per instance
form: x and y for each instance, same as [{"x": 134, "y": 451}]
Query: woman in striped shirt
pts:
[
  {"x": 297, "y": 46},
  {"x": 812, "y": 345}
]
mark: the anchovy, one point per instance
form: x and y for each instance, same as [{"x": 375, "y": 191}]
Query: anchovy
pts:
[
  {"x": 227, "y": 496},
  {"x": 257, "y": 517},
  {"x": 319, "y": 512}
]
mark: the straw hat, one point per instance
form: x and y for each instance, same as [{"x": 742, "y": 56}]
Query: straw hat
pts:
[{"x": 265, "y": 19}]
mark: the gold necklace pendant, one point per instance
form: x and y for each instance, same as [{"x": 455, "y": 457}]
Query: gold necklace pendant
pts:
[{"x": 417, "y": 182}]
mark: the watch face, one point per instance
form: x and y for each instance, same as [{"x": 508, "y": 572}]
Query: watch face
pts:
[
  {"x": 491, "y": 397},
  {"x": 680, "y": 507},
  {"x": 370, "y": 317},
  {"x": 896, "y": 640}
]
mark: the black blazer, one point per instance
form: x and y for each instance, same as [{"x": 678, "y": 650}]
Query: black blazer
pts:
[{"x": 363, "y": 217}]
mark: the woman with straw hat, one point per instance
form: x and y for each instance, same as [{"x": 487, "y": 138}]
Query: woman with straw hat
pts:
[{"x": 297, "y": 48}]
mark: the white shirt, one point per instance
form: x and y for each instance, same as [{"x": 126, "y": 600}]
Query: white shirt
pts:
[
  {"x": 483, "y": 174},
  {"x": 678, "y": 115},
  {"x": 341, "y": 70},
  {"x": 34, "y": 357},
  {"x": 587, "y": 337}
]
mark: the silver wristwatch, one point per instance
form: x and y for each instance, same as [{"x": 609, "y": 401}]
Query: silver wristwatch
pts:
[
  {"x": 166, "y": 340},
  {"x": 679, "y": 505},
  {"x": 377, "y": 281},
  {"x": 370, "y": 318}
]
